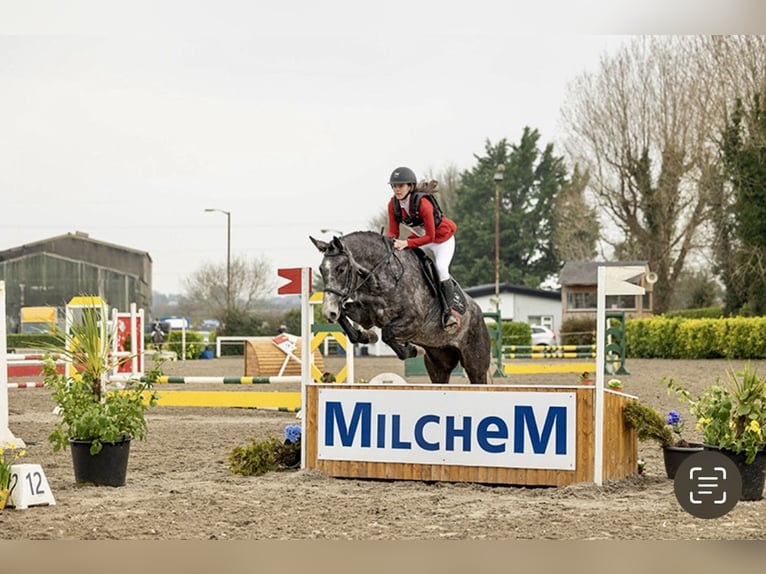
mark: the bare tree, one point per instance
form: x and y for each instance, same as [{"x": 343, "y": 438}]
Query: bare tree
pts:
[
  {"x": 250, "y": 281},
  {"x": 736, "y": 71},
  {"x": 641, "y": 127},
  {"x": 575, "y": 223}
]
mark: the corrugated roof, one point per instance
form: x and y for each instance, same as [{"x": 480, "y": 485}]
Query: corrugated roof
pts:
[{"x": 483, "y": 290}]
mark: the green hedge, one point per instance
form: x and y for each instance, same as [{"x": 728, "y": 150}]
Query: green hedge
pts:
[
  {"x": 195, "y": 344},
  {"x": 678, "y": 338}
]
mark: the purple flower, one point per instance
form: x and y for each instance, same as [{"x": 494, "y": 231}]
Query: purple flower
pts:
[
  {"x": 673, "y": 418},
  {"x": 293, "y": 433}
]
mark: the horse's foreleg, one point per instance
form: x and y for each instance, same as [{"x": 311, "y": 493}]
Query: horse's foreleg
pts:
[
  {"x": 402, "y": 350},
  {"x": 354, "y": 334}
]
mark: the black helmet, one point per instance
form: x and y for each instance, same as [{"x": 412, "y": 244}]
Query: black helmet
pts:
[{"x": 402, "y": 175}]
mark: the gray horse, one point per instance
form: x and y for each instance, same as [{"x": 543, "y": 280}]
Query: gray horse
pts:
[{"x": 368, "y": 283}]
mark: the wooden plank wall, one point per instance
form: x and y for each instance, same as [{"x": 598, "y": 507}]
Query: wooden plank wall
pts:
[
  {"x": 264, "y": 359},
  {"x": 620, "y": 445}
]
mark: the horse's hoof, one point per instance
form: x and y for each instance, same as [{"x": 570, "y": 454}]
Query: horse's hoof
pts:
[{"x": 372, "y": 337}]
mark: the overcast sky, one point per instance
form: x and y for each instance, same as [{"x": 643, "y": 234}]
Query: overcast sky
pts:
[{"x": 128, "y": 125}]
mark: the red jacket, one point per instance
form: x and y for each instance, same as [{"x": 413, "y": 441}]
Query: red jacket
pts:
[{"x": 433, "y": 234}]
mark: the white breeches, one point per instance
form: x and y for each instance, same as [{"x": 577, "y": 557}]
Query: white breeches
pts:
[{"x": 442, "y": 255}]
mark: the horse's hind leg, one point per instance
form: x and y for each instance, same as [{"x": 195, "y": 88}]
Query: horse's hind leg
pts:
[
  {"x": 477, "y": 375},
  {"x": 477, "y": 357},
  {"x": 440, "y": 363}
]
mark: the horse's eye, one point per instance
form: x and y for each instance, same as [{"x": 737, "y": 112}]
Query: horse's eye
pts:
[{"x": 341, "y": 269}]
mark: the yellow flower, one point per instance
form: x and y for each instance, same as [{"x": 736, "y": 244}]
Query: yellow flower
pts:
[
  {"x": 702, "y": 422},
  {"x": 754, "y": 427}
]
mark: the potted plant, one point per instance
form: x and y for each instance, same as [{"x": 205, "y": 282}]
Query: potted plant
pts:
[
  {"x": 614, "y": 384},
  {"x": 96, "y": 422},
  {"x": 586, "y": 378},
  {"x": 667, "y": 432},
  {"x": 731, "y": 415},
  {"x": 8, "y": 456}
]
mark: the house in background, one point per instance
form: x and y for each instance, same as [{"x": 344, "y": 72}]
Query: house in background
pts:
[
  {"x": 579, "y": 290},
  {"x": 522, "y": 304},
  {"x": 51, "y": 271}
]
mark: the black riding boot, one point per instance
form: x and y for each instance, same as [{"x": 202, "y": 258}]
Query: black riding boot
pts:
[{"x": 449, "y": 321}]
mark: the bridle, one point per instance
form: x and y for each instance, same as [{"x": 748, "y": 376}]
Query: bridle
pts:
[{"x": 352, "y": 286}]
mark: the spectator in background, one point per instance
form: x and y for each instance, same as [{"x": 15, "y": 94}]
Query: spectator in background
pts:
[{"x": 158, "y": 337}]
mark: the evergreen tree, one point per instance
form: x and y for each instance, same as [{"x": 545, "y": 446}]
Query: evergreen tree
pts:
[
  {"x": 743, "y": 264},
  {"x": 532, "y": 179}
]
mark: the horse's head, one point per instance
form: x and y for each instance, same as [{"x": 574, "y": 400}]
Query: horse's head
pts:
[{"x": 338, "y": 272}]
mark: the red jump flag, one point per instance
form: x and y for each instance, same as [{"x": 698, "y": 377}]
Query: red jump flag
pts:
[{"x": 293, "y": 275}]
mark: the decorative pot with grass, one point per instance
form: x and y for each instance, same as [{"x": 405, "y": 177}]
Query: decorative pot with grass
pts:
[
  {"x": 732, "y": 417},
  {"x": 94, "y": 415}
]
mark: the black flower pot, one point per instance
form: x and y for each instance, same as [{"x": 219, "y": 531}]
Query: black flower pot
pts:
[
  {"x": 675, "y": 455},
  {"x": 108, "y": 467},
  {"x": 753, "y": 475}
]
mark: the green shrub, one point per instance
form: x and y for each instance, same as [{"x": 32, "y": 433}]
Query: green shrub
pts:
[
  {"x": 29, "y": 341},
  {"x": 702, "y": 313},
  {"x": 516, "y": 333},
  {"x": 578, "y": 331},
  {"x": 262, "y": 456},
  {"x": 647, "y": 422},
  {"x": 194, "y": 344},
  {"x": 678, "y": 338}
]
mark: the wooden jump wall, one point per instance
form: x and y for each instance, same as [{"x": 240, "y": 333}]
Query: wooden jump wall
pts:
[{"x": 620, "y": 458}]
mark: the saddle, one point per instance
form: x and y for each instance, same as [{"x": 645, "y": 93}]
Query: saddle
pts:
[{"x": 428, "y": 268}]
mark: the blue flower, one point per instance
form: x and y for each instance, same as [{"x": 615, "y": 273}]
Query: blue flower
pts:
[
  {"x": 293, "y": 433},
  {"x": 673, "y": 418}
]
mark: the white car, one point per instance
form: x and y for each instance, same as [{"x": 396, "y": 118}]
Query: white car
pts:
[{"x": 543, "y": 336}]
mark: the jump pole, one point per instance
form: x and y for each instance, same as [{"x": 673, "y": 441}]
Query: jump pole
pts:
[
  {"x": 300, "y": 282},
  {"x": 611, "y": 281},
  {"x": 6, "y": 436},
  {"x": 307, "y": 318}
]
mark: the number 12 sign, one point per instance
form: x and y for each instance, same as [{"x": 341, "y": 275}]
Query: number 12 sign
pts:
[{"x": 29, "y": 487}]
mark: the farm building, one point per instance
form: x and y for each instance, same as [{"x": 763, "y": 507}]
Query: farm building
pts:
[
  {"x": 521, "y": 304},
  {"x": 579, "y": 288},
  {"x": 51, "y": 271}
]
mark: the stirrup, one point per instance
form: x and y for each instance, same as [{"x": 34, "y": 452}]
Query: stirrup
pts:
[{"x": 451, "y": 321}]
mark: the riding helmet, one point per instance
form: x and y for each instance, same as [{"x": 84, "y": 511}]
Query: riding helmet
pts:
[{"x": 402, "y": 175}]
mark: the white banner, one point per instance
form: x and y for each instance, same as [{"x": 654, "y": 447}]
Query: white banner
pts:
[{"x": 504, "y": 429}]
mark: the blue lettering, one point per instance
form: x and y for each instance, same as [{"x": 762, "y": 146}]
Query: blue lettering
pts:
[
  {"x": 396, "y": 441},
  {"x": 381, "y": 431},
  {"x": 484, "y": 434},
  {"x": 524, "y": 417},
  {"x": 464, "y": 433},
  {"x": 334, "y": 414},
  {"x": 419, "y": 438}
]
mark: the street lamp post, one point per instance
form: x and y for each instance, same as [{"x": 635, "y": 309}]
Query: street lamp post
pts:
[
  {"x": 498, "y": 178},
  {"x": 228, "y": 254}
]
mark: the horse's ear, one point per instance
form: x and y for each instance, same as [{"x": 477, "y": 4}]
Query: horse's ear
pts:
[
  {"x": 337, "y": 243},
  {"x": 321, "y": 245}
]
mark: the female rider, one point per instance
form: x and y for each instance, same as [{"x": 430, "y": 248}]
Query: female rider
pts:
[{"x": 424, "y": 233}]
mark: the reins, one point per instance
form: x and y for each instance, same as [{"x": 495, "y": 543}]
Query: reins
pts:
[{"x": 351, "y": 286}]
